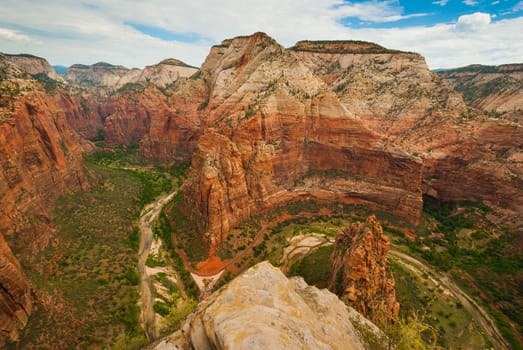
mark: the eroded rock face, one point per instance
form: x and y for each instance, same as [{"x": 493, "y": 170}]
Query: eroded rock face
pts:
[
  {"x": 99, "y": 74},
  {"x": 112, "y": 77},
  {"x": 361, "y": 274},
  {"x": 391, "y": 91},
  {"x": 394, "y": 94},
  {"x": 32, "y": 65},
  {"x": 273, "y": 133},
  {"x": 41, "y": 158},
  {"x": 15, "y": 295},
  {"x": 493, "y": 88},
  {"x": 262, "y": 309}
]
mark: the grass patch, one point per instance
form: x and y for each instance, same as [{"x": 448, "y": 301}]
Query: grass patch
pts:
[
  {"x": 315, "y": 267},
  {"x": 475, "y": 247}
]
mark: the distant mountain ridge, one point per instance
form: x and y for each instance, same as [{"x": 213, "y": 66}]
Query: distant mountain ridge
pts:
[{"x": 493, "y": 88}]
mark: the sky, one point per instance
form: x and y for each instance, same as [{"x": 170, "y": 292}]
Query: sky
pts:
[{"x": 136, "y": 33}]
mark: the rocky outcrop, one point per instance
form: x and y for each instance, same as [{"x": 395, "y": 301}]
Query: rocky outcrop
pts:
[
  {"x": 361, "y": 274},
  {"x": 275, "y": 133},
  {"x": 41, "y": 158},
  {"x": 165, "y": 73},
  {"x": 262, "y": 309},
  {"x": 100, "y": 74},
  {"x": 394, "y": 94},
  {"x": 15, "y": 295},
  {"x": 156, "y": 107},
  {"x": 391, "y": 91},
  {"x": 32, "y": 65},
  {"x": 111, "y": 77},
  {"x": 492, "y": 88}
]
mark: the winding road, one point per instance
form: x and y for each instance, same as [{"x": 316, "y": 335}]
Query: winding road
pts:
[
  {"x": 149, "y": 213},
  {"x": 479, "y": 314}
]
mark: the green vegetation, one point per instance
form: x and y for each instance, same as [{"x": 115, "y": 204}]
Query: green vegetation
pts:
[
  {"x": 135, "y": 88},
  {"x": 188, "y": 238},
  {"x": 416, "y": 293},
  {"x": 164, "y": 230},
  {"x": 9, "y": 90},
  {"x": 478, "y": 254},
  {"x": 50, "y": 85},
  {"x": 472, "y": 91},
  {"x": 86, "y": 280},
  {"x": 155, "y": 181},
  {"x": 175, "y": 311},
  {"x": 315, "y": 267}
]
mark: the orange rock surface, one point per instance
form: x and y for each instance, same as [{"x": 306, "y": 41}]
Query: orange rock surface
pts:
[
  {"x": 361, "y": 274},
  {"x": 41, "y": 158}
]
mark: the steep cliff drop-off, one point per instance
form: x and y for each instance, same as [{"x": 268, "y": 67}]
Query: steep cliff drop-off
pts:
[
  {"x": 361, "y": 274},
  {"x": 156, "y": 107},
  {"x": 466, "y": 153},
  {"x": 15, "y": 295},
  {"x": 41, "y": 158},
  {"x": 273, "y": 132},
  {"x": 262, "y": 309}
]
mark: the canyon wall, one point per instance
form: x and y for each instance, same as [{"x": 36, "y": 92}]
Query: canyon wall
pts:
[
  {"x": 467, "y": 154},
  {"x": 492, "y": 88},
  {"x": 274, "y": 132},
  {"x": 41, "y": 158}
]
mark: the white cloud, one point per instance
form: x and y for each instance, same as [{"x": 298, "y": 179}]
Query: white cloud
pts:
[
  {"x": 375, "y": 11},
  {"x": 470, "y": 2},
  {"x": 98, "y": 32},
  {"x": 440, "y": 2},
  {"x": 13, "y": 35},
  {"x": 474, "y": 22}
]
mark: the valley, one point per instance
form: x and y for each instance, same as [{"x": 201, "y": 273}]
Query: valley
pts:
[{"x": 139, "y": 199}]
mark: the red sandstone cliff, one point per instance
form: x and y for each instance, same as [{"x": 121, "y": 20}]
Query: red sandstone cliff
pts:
[
  {"x": 466, "y": 153},
  {"x": 41, "y": 158},
  {"x": 269, "y": 124},
  {"x": 360, "y": 271},
  {"x": 15, "y": 295}
]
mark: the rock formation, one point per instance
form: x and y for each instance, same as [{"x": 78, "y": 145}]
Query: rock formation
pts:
[
  {"x": 111, "y": 77},
  {"x": 269, "y": 124},
  {"x": 100, "y": 74},
  {"x": 492, "y": 88},
  {"x": 262, "y": 309},
  {"x": 15, "y": 295},
  {"x": 31, "y": 65},
  {"x": 41, "y": 158},
  {"x": 395, "y": 94},
  {"x": 360, "y": 271}
]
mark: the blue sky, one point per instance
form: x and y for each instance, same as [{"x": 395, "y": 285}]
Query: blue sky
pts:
[
  {"x": 427, "y": 13},
  {"x": 449, "y": 33}
]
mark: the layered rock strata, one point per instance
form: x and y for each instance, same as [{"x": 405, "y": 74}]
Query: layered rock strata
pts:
[
  {"x": 395, "y": 94},
  {"x": 492, "y": 88},
  {"x": 41, "y": 158},
  {"x": 113, "y": 77},
  {"x": 15, "y": 295},
  {"x": 274, "y": 133},
  {"x": 262, "y": 309},
  {"x": 361, "y": 274}
]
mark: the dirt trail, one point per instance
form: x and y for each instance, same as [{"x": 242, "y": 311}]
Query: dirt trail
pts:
[
  {"x": 479, "y": 314},
  {"x": 149, "y": 213}
]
